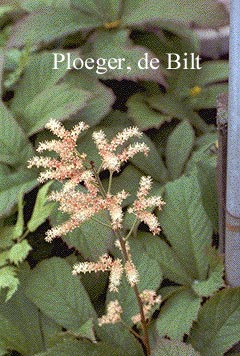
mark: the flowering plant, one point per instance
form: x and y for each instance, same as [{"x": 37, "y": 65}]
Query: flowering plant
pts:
[{"x": 74, "y": 169}]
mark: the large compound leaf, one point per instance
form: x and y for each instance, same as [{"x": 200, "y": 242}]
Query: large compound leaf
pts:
[
  {"x": 37, "y": 75},
  {"x": 15, "y": 147},
  {"x": 177, "y": 314},
  {"x": 200, "y": 12},
  {"x": 218, "y": 326},
  {"x": 48, "y": 25},
  {"x": 38, "y": 98},
  {"x": 187, "y": 226},
  {"x": 105, "y": 47},
  {"x": 174, "y": 348},
  {"x": 59, "y": 294}
]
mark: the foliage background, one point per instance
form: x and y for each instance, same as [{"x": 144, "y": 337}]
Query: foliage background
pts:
[{"x": 44, "y": 310}]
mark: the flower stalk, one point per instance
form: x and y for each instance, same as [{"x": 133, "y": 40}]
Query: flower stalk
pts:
[{"x": 83, "y": 196}]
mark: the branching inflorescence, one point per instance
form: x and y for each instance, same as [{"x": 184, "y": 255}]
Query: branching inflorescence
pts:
[{"x": 83, "y": 195}]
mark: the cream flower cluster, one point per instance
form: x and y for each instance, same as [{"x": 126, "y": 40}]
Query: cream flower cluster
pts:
[
  {"x": 143, "y": 203},
  {"x": 113, "y": 316},
  {"x": 112, "y": 160},
  {"x": 72, "y": 169},
  {"x": 149, "y": 299},
  {"x": 116, "y": 268}
]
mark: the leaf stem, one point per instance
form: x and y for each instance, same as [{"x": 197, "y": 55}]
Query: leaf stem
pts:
[{"x": 131, "y": 230}]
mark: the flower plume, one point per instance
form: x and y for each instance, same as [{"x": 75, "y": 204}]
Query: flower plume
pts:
[
  {"x": 141, "y": 206},
  {"x": 112, "y": 160}
]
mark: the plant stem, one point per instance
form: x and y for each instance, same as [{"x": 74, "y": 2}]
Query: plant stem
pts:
[
  {"x": 137, "y": 294},
  {"x": 21, "y": 238},
  {"x": 110, "y": 182},
  {"x": 131, "y": 330},
  {"x": 131, "y": 230},
  {"x": 127, "y": 258}
]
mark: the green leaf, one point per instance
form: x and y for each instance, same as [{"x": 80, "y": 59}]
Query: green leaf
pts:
[
  {"x": 178, "y": 148},
  {"x": 82, "y": 348},
  {"x": 48, "y": 25},
  {"x": 37, "y": 76},
  {"x": 4, "y": 258},
  {"x": 202, "y": 153},
  {"x": 174, "y": 348},
  {"x": 5, "y": 9},
  {"x": 153, "y": 164},
  {"x": 18, "y": 229},
  {"x": 73, "y": 306},
  {"x": 91, "y": 239},
  {"x": 6, "y": 236},
  {"x": 218, "y": 326},
  {"x": 11, "y": 185},
  {"x": 212, "y": 72},
  {"x": 11, "y": 336},
  {"x": 215, "y": 279},
  {"x": 102, "y": 97},
  {"x": 86, "y": 331},
  {"x": 200, "y": 13},
  {"x": 187, "y": 226},
  {"x": 120, "y": 182},
  {"x": 120, "y": 338},
  {"x": 168, "y": 260},
  {"x": 142, "y": 115},
  {"x": 167, "y": 292},
  {"x": 206, "y": 99},
  {"x": 106, "y": 10},
  {"x": 19, "y": 312},
  {"x": 173, "y": 106},
  {"x": 22, "y": 61},
  {"x": 33, "y": 5},
  {"x": 58, "y": 102},
  {"x": 177, "y": 314},
  {"x": 15, "y": 148},
  {"x": 207, "y": 177},
  {"x": 105, "y": 47},
  {"x": 19, "y": 252},
  {"x": 8, "y": 280},
  {"x": 42, "y": 208},
  {"x": 37, "y": 97}
]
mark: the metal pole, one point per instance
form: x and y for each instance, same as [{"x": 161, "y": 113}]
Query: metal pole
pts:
[
  {"x": 232, "y": 239},
  {"x": 222, "y": 123}
]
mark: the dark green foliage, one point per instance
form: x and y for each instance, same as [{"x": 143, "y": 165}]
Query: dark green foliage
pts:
[{"x": 45, "y": 310}]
